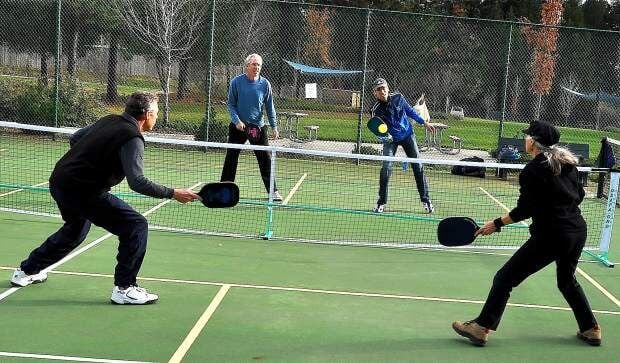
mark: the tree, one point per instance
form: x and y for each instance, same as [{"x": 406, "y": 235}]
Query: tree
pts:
[
  {"x": 544, "y": 42},
  {"x": 319, "y": 37},
  {"x": 17, "y": 32},
  {"x": 568, "y": 100},
  {"x": 168, "y": 29}
]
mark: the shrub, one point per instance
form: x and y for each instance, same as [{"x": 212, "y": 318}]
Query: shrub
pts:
[
  {"x": 218, "y": 130},
  {"x": 35, "y": 104}
]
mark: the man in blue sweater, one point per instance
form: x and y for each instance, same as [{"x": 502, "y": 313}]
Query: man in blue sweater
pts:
[
  {"x": 393, "y": 109},
  {"x": 249, "y": 94}
]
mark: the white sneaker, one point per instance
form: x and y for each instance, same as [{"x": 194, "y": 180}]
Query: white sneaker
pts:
[
  {"x": 20, "y": 279},
  {"x": 134, "y": 295},
  {"x": 428, "y": 207},
  {"x": 379, "y": 208},
  {"x": 277, "y": 197}
]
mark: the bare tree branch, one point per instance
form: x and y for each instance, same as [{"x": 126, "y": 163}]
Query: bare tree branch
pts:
[{"x": 168, "y": 28}]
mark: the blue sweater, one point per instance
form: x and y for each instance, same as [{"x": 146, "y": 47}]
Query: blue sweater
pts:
[
  {"x": 394, "y": 113},
  {"x": 247, "y": 99}
]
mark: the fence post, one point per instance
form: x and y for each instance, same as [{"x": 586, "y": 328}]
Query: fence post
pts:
[
  {"x": 57, "y": 62},
  {"x": 501, "y": 122},
  {"x": 363, "y": 96},
  {"x": 210, "y": 79}
]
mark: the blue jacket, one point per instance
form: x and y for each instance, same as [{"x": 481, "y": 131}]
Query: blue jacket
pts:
[{"x": 394, "y": 113}]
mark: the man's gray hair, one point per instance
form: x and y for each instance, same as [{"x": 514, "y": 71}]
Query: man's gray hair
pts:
[
  {"x": 140, "y": 102},
  {"x": 248, "y": 59}
]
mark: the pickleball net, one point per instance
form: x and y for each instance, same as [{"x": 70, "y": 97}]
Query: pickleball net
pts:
[{"x": 328, "y": 196}]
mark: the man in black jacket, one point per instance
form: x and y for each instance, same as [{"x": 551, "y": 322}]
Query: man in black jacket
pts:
[{"x": 100, "y": 157}]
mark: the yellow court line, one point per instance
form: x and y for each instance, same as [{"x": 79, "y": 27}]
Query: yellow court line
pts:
[
  {"x": 21, "y": 190},
  {"x": 600, "y": 287},
  {"x": 290, "y": 194},
  {"x": 177, "y": 357},
  {"x": 327, "y": 292}
]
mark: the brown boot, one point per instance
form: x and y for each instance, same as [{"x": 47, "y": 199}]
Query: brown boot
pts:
[
  {"x": 477, "y": 334},
  {"x": 592, "y": 336}
]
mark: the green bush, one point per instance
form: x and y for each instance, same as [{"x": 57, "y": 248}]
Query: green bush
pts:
[
  {"x": 218, "y": 130},
  {"x": 7, "y": 100},
  {"x": 35, "y": 104}
]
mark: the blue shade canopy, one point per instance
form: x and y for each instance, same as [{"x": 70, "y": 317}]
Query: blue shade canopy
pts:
[
  {"x": 596, "y": 96},
  {"x": 303, "y": 68}
]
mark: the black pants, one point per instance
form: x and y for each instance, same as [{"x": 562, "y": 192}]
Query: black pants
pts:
[
  {"x": 535, "y": 254},
  {"x": 232, "y": 156},
  {"x": 104, "y": 210}
]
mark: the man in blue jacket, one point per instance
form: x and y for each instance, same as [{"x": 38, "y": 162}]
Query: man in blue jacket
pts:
[{"x": 393, "y": 109}]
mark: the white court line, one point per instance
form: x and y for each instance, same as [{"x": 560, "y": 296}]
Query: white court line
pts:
[
  {"x": 580, "y": 271},
  {"x": 88, "y": 246},
  {"x": 327, "y": 292},
  {"x": 65, "y": 358},
  {"x": 290, "y": 194},
  {"x": 21, "y": 190},
  {"x": 200, "y": 324}
]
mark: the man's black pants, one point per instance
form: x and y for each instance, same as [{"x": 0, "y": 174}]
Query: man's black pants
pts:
[
  {"x": 229, "y": 172},
  {"x": 563, "y": 248},
  {"x": 78, "y": 210}
]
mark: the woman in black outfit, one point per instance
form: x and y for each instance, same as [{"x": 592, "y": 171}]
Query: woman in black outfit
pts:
[{"x": 550, "y": 194}]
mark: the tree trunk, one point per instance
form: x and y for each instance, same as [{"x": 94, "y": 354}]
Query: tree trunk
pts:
[
  {"x": 43, "y": 75},
  {"x": 72, "y": 56},
  {"x": 112, "y": 92},
  {"x": 183, "y": 86},
  {"x": 167, "y": 94}
]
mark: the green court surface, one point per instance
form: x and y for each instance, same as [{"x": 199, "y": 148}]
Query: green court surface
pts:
[{"x": 288, "y": 302}]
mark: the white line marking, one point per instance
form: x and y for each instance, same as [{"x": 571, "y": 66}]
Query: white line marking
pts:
[
  {"x": 580, "y": 271},
  {"x": 20, "y": 190},
  {"x": 65, "y": 358},
  {"x": 88, "y": 246},
  {"x": 598, "y": 286},
  {"x": 290, "y": 194},
  {"x": 200, "y": 324},
  {"x": 320, "y": 291}
]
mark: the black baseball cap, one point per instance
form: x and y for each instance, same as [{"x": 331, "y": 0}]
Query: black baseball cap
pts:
[
  {"x": 543, "y": 132},
  {"x": 379, "y": 82}
]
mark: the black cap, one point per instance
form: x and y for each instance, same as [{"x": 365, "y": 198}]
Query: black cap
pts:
[
  {"x": 379, "y": 82},
  {"x": 543, "y": 132}
]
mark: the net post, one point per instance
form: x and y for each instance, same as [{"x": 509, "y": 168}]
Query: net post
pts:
[
  {"x": 272, "y": 182},
  {"x": 608, "y": 221}
]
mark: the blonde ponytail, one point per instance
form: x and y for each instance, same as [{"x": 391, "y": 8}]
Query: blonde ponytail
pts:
[{"x": 557, "y": 156}]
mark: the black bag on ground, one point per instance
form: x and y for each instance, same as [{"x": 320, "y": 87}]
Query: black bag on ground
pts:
[{"x": 475, "y": 171}]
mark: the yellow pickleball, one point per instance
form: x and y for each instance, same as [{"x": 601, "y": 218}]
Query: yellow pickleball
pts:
[{"x": 382, "y": 128}]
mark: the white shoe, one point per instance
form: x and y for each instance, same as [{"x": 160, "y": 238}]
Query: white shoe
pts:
[
  {"x": 379, "y": 208},
  {"x": 20, "y": 279},
  {"x": 428, "y": 207},
  {"x": 277, "y": 197},
  {"x": 133, "y": 295}
]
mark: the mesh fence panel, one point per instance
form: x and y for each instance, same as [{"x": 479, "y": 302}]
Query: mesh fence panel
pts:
[{"x": 481, "y": 70}]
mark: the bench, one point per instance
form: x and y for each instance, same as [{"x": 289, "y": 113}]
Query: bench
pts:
[{"x": 582, "y": 151}]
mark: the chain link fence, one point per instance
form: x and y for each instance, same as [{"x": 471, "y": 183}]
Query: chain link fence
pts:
[{"x": 68, "y": 62}]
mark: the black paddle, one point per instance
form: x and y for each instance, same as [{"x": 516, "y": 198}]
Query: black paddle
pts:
[
  {"x": 219, "y": 195},
  {"x": 377, "y": 126},
  {"x": 253, "y": 132},
  {"x": 456, "y": 231}
]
